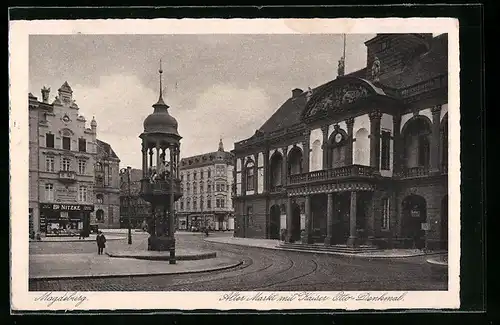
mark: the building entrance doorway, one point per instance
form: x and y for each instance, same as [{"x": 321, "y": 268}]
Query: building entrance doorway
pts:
[
  {"x": 274, "y": 222},
  {"x": 414, "y": 216},
  {"x": 295, "y": 223}
]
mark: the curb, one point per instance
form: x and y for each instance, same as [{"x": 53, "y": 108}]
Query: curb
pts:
[
  {"x": 330, "y": 253},
  {"x": 103, "y": 276},
  {"x": 194, "y": 257}
]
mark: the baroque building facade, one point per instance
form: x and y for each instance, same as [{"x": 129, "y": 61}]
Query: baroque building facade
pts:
[
  {"x": 62, "y": 162},
  {"x": 206, "y": 182},
  {"x": 359, "y": 160},
  {"x": 107, "y": 187}
]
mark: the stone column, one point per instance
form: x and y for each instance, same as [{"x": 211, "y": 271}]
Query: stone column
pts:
[
  {"x": 266, "y": 170},
  {"x": 324, "y": 146},
  {"x": 352, "y": 220},
  {"x": 158, "y": 156},
  {"x": 284, "y": 170},
  {"x": 375, "y": 117},
  {"x": 436, "y": 113},
  {"x": 151, "y": 152},
  {"x": 397, "y": 147},
  {"x": 307, "y": 238},
  {"x": 307, "y": 151},
  {"x": 350, "y": 140},
  {"x": 144, "y": 160},
  {"x": 329, "y": 220},
  {"x": 288, "y": 220}
]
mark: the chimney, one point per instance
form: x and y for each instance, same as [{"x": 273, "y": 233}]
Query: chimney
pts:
[
  {"x": 45, "y": 94},
  {"x": 296, "y": 92}
]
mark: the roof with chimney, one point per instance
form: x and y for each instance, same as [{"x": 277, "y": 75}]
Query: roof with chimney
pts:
[
  {"x": 420, "y": 67},
  {"x": 104, "y": 150}
]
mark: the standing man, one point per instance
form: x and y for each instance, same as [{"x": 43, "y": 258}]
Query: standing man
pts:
[{"x": 101, "y": 243}]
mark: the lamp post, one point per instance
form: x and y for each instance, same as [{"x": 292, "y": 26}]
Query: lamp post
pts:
[{"x": 126, "y": 171}]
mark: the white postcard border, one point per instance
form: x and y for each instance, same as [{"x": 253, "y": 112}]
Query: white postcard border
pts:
[{"x": 18, "y": 71}]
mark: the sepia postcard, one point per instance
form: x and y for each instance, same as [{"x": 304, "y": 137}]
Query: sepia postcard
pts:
[{"x": 261, "y": 164}]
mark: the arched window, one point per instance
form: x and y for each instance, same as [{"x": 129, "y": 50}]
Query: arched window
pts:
[
  {"x": 416, "y": 134},
  {"x": 295, "y": 161},
  {"x": 338, "y": 148},
  {"x": 249, "y": 172},
  {"x": 99, "y": 215},
  {"x": 276, "y": 169},
  {"x": 362, "y": 148},
  {"x": 99, "y": 198},
  {"x": 316, "y": 156}
]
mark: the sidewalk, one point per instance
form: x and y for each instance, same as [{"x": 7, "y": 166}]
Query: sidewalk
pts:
[
  {"x": 71, "y": 266},
  {"x": 273, "y": 244},
  {"x": 91, "y": 238}
]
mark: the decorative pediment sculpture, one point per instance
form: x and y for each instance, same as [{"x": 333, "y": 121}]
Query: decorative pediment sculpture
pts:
[
  {"x": 376, "y": 69},
  {"x": 337, "y": 97}
]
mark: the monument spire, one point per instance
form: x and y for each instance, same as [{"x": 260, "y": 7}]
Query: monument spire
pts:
[
  {"x": 160, "y": 99},
  {"x": 341, "y": 67}
]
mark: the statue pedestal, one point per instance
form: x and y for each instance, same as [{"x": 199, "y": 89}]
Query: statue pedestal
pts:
[{"x": 161, "y": 243}]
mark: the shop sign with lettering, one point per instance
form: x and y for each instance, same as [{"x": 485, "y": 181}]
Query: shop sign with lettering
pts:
[{"x": 67, "y": 207}]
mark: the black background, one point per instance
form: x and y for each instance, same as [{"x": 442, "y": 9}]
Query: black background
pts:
[{"x": 473, "y": 158}]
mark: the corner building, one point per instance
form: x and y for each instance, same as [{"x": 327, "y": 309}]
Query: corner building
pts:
[
  {"x": 206, "y": 182},
  {"x": 62, "y": 158},
  {"x": 359, "y": 160}
]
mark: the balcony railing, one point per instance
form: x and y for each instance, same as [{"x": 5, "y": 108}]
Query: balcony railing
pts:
[
  {"x": 413, "y": 172},
  {"x": 160, "y": 187},
  {"x": 67, "y": 175},
  {"x": 331, "y": 174}
]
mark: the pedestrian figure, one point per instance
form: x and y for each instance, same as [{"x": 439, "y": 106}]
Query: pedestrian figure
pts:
[{"x": 101, "y": 243}]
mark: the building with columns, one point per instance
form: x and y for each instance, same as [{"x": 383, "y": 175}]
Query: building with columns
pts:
[
  {"x": 359, "y": 160},
  {"x": 206, "y": 182}
]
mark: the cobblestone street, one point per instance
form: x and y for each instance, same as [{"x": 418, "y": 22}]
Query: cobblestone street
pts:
[{"x": 262, "y": 269}]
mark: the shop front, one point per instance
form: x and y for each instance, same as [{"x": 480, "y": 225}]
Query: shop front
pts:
[{"x": 65, "y": 219}]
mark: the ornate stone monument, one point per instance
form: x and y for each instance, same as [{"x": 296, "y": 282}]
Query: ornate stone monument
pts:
[{"x": 160, "y": 184}]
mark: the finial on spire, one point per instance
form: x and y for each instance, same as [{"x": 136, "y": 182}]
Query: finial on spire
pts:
[
  {"x": 221, "y": 145},
  {"x": 341, "y": 67},
  {"x": 160, "y": 99}
]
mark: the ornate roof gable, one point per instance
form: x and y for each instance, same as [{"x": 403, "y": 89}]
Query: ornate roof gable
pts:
[{"x": 338, "y": 94}]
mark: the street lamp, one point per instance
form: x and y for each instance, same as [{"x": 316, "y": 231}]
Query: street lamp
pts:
[{"x": 126, "y": 171}]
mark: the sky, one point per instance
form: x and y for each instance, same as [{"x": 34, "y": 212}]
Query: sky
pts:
[{"x": 217, "y": 86}]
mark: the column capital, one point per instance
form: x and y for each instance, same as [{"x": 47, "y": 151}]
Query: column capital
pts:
[
  {"x": 375, "y": 115},
  {"x": 436, "y": 109}
]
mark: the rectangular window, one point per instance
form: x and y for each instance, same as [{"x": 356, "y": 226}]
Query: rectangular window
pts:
[
  {"x": 49, "y": 140},
  {"x": 82, "y": 145},
  {"x": 209, "y": 203},
  {"x": 110, "y": 176},
  {"x": 81, "y": 167},
  {"x": 182, "y": 205},
  {"x": 201, "y": 174},
  {"x": 49, "y": 164},
  {"x": 385, "y": 214},
  {"x": 66, "y": 164},
  {"x": 49, "y": 192},
  {"x": 194, "y": 176},
  {"x": 66, "y": 141},
  {"x": 209, "y": 173},
  {"x": 82, "y": 194},
  {"x": 250, "y": 179},
  {"x": 249, "y": 210},
  {"x": 182, "y": 177},
  {"x": 188, "y": 205},
  {"x": 222, "y": 203},
  {"x": 195, "y": 205},
  {"x": 385, "y": 155}
]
